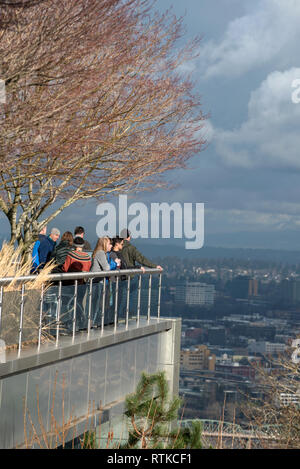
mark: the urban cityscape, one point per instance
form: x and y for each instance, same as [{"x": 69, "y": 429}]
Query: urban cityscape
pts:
[{"x": 237, "y": 315}]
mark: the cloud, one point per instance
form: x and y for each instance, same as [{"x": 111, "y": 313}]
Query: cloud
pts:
[
  {"x": 269, "y": 32},
  {"x": 270, "y": 137}
]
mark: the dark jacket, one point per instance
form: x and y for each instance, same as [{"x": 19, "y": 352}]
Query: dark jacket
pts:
[
  {"x": 132, "y": 255},
  {"x": 60, "y": 253},
  {"x": 45, "y": 249},
  {"x": 86, "y": 246},
  {"x": 118, "y": 255}
]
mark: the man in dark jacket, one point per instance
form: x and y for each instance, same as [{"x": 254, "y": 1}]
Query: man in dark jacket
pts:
[
  {"x": 79, "y": 232},
  {"x": 132, "y": 255},
  {"x": 46, "y": 247}
]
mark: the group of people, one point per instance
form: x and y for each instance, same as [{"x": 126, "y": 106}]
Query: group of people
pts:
[{"x": 74, "y": 254}]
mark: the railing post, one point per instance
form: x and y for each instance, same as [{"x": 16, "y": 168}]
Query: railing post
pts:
[
  {"x": 138, "y": 312},
  {"x": 21, "y": 319},
  {"x": 75, "y": 309},
  {"x": 149, "y": 297},
  {"x": 159, "y": 296},
  {"x": 127, "y": 302},
  {"x": 103, "y": 305},
  {"x": 58, "y": 312},
  {"x": 41, "y": 316},
  {"x": 116, "y": 304},
  {"x": 90, "y": 306},
  {"x": 1, "y": 301}
]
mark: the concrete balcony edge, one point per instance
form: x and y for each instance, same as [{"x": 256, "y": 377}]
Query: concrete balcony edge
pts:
[{"x": 83, "y": 343}]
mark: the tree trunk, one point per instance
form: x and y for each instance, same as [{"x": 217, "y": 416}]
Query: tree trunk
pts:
[{"x": 25, "y": 240}]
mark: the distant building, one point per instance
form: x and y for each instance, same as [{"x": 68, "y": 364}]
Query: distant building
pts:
[
  {"x": 253, "y": 287},
  {"x": 245, "y": 371},
  {"x": 290, "y": 290},
  {"x": 197, "y": 357},
  {"x": 266, "y": 348},
  {"x": 194, "y": 333},
  {"x": 243, "y": 286},
  {"x": 195, "y": 293},
  {"x": 216, "y": 335}
]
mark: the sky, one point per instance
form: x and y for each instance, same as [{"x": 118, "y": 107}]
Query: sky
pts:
[{"x": 248, "y": 177}]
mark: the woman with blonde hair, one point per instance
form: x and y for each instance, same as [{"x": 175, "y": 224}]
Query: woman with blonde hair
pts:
[
  {"x": 99, "y": 258},
  {"x": 99, "y": 264}
]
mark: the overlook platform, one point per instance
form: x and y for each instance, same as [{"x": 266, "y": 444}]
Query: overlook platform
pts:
[{"x": 79, "y": 379}]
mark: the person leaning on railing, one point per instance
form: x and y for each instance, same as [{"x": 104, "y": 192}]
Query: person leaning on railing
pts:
[{"x": 131, "y": 254}]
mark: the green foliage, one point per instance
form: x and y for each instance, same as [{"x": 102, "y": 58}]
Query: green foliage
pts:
[
  {"x": 89, "y": 440},
  {"x": 150, "y": 412},
  {"x": 189, "y": 438}
]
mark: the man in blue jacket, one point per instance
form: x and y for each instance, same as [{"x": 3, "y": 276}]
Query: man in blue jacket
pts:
[
  {"x": 35, "y": 250},
  {"x": 46, "y": 247}
]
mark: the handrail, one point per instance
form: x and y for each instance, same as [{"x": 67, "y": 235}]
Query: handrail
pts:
[
  {"x": 79, "y": 275},
  {"x": 65, "y": 308}
]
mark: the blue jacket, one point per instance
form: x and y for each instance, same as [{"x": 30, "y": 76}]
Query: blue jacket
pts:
[
  {"x": 44, "y": 250},
  {"x": 35, "y": 253},
  {"x": 112, "y": 263}
]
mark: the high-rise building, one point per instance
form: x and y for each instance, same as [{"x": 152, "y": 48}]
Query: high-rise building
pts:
[
  {"x": 243, "y": 286},
  {"x": 195, "y": 293},
  {"x": 253, "y": 287},
  {"x": 291, "y": 290}
]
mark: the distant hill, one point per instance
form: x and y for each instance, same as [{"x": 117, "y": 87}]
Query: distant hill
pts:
[
  {"x": 176, "y": 248},
  {"x": 209, "y": 252}
]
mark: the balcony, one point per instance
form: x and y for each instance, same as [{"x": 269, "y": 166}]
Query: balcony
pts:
[{"x": 93, "y": 335}]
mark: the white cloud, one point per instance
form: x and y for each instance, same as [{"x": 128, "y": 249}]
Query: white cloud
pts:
[
  {"x": 270, "y": 136},
  {"x": 270, "y": 31},
  {"x": 253, "y": 220}
]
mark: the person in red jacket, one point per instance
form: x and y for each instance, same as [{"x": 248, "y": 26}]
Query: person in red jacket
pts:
[{"x": 78, "y": 261}]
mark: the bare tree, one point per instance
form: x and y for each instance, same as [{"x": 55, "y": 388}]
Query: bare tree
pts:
[
  {"x": 275, "y": 414},
  {"x": 8, "y": 8},
  {"x": 95, "y": 105}
]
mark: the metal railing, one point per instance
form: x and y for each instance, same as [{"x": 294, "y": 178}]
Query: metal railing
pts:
[{"x": 71, "y": 302}]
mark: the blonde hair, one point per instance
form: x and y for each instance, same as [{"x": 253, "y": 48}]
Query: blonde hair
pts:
[{"x": 101, "y": 245}]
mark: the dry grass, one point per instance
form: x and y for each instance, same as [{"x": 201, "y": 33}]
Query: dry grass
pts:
[{"x": 12, "y": 266}]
